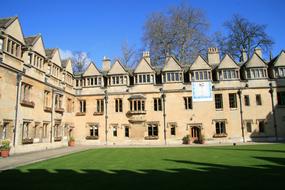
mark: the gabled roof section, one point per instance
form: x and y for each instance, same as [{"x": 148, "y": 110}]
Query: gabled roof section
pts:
[
  {"x": 36, "y": 43},
  {"x": 171, "y": 64},
  {"x": 279, "y": 60},
  {"x": 144, "y": 67},
  {"x": 53, "y": 55},
  {"x": 31, "y": 40},
  {"x": 255, "y": 61},
  {"x": 200, "y": 64},
  {"x": 13, "y": 27},
  {"x": 91, "y": 70},
  {"x": 5, "y": 22},
  {"x": 67, "y": 64},
  {"x": 228, "y": 63},
  {"x": 117, "y": 68}
]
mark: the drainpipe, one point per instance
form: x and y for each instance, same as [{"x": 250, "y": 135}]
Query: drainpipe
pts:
[
  {"x": 164, "y": 115},
  {"x": 241, "y": 115},
  {"x": 19, "y": 78},
  {"x": 271, "y": 91},
  {"x": 52, "y": 114},
  {"x": 106, "y": 116}
]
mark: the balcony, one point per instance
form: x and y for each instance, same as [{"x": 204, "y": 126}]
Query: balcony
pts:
[
  {"x": 26, "y": 103},
  {"x": 132, "y": 112}
]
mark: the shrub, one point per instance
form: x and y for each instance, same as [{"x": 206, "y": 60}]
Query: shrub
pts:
[{"x": 5, "y": 145}]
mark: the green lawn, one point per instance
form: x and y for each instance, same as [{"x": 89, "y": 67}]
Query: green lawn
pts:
[{"x": 228, "y": 167}]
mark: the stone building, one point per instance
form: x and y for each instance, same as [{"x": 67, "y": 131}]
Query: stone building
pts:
[{"x": 43, "y": 102}]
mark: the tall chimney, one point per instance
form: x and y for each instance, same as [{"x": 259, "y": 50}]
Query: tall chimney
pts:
[
  {"x": 146, "y": 56},
  {"x": 258, "y": 52},
  {"x": 106, "y": 64},
  {"x": 244, "y": 55},
  {"x": 213, "y": 56}
]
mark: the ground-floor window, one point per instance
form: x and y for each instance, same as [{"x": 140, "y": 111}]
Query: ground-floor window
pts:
[
  {"x": 173, "y": 129},
  {"x": 115, "y": 131},
  {"x": 281, "y": 98},
  {"x": 26, "y": 128},
  {"x": 152, "y": 130},
  {"x": 248, "y": 126},
  {"x": 3, "y": 131},
  {"x": 220, "y": 127},
  {"x": 261, "y": 126},
  {"x": 127, "y": 131},
  {"x": 94, "y": 131},
  {"x": 45, "y": 130}
]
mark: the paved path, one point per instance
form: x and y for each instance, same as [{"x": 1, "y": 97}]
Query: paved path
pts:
[
  {"x": 32, "y": 157},
  {"x": 28, "y": 158}
]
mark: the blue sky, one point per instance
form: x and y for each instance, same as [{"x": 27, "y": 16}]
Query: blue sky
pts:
[{"x": 100, "y": 27}]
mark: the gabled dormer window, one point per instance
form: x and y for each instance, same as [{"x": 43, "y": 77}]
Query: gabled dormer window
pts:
[
  {"x": 118, "y": 80},
  {"x": 280, "y": 72},
  {"x": 146, "y": 78},
  {"x": 172, "y": 76},
  {"x": 228, "y": 74},
  {"x": 256, "y": 73},
  {"x": 201, "y": 75}
]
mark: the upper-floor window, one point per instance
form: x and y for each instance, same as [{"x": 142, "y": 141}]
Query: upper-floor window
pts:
[
  {"x": 246, "y": 100},
  {"x": 256, "y": 73},
  {"x": 14, "y": 48},
  {"x": 137, "y": 105},
  {"x": 233, "y": 100},
  {"x": 118, "y": 80},
  {"x": 58, "y": 101},
  {"x": 188, "y": 102},
  {"x": 143, "y": 78},
  {"x": 93, "y": 81},
  {"x": 157, "y": 105},
  {"x": 201, "y": 75},
  {"x": 119, "y": 105},
  {"x": 258, "y": 99},
  {"x": 281, "y": 98},
  {"x": 26, "y": 92},
  {"x": 82, "y": 106},
  {"x": 228, "y": 74},
  {"x": 219, "y": 101},
  {"x": 100, "y": 106},
  {"x": 172, "y": 77},
  {"x": 1, "y": 44},
  {"x": 280, "y": 72},
  {"x": 69, "y": 105},
  {"x": 47, "y": 102}
]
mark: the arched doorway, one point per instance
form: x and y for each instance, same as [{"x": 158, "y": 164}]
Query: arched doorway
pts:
[{"x": 195, "y": 134}]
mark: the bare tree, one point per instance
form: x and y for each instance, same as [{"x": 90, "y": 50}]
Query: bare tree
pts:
[
  {"x": 243, "y": 35},
  {"x": 80, "y": 61},
  {"x": 128, "y": 53},
  {"x": 179, "y": 32}
]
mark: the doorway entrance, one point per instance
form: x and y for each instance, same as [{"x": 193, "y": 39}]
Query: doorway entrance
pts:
[{"x": 195, "y": 134}]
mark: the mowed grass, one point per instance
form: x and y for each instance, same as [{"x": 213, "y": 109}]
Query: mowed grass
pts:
[{"x": 228, "y": 167}]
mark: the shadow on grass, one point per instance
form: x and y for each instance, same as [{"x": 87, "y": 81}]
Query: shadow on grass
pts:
[{"x": 209, "y": 176}]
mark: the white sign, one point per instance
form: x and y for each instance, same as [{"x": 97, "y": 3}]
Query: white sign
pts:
[{"x": 201, "y": 91}]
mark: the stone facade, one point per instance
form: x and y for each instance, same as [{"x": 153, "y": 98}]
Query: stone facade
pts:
[{"x": 43, "y": 103}]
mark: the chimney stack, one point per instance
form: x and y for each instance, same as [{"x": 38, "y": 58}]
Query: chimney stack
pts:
[
  {"x": 244, "y": 56},
  {"x": 146, "y": 56},
  {"x": 106, "y": 64},
  {"x": 213, "y": 56},
  {"x": 258, "y": 52}
]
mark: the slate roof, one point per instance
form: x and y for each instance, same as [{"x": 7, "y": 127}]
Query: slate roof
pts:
[
  {"x": 50, "y": 52},
  {"x": 31, "y": 40},
  {"x": 5, "y": 22}
]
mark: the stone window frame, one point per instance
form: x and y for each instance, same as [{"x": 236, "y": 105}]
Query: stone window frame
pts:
[
  {"x": 157, "y": 104},
  {"x": 188, "y": 102},
  {"x": 219, "y": 105}
]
